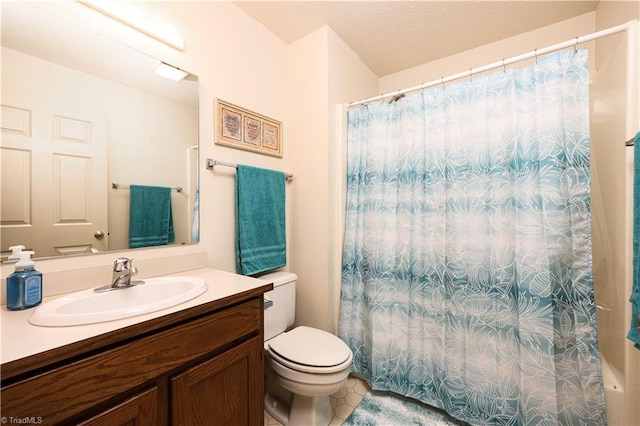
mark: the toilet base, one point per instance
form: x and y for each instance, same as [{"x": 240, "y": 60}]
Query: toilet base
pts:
[
  {"x": 276, "y": 409},
  {"x": 310, "y": 410},
  {"x": 304, "y": 410}
]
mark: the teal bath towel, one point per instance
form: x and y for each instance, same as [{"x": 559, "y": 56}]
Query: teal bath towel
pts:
[
  {"x": 260, "y": 220},
  {"x": 634, "y": 335},
  {"x": 150, "y": 216}
]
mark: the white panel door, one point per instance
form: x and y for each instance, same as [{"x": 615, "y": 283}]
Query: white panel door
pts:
[{"x": 54, "y": 177}]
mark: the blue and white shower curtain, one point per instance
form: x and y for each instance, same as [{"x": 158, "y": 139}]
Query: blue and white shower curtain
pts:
[{"x": 466, "y": 278}]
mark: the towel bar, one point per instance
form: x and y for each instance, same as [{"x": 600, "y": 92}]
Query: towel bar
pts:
[
  {"x": 119, "y": 186},
  {"x": 211, "y": 163}
]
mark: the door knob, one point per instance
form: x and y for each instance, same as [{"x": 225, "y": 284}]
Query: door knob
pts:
[{"x": 99, "y": 235}]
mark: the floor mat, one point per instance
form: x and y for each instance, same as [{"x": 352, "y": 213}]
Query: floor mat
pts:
[{"x": 388, "y": 409}]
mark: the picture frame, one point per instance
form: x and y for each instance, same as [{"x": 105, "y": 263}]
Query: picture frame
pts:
[{"x": 240, "y": 128}]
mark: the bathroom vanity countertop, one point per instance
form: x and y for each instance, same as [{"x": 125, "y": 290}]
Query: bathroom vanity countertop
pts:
[{"x": 21, "y": 340}]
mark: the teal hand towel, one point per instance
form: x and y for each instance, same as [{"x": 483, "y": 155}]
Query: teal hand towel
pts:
[
  {"x": 260, "y": 220},
  {"x": 150, "y": 216},
  {"x": 633, "y": 334}
]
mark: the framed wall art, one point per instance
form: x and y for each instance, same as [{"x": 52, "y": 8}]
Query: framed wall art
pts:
[{"x": 243, "y": 129}]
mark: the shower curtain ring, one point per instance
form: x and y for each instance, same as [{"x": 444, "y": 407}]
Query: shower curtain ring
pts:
[
  {"x": 442, "y": 81},
  {"x": 535, "y": 51},
  {"x": 504, "y": 68},
  {"x": 575, "y": 46},
  {"x": 471, "y": 74}
]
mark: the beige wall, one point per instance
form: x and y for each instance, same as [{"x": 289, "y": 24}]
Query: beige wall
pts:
[
  {"x": 308, "y": 64},
  {"x": 490, "y": 53},
  {"x": 325, "y": 73}
]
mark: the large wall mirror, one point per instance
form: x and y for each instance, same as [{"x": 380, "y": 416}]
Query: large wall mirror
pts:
[{"x": 83, "y": 119}]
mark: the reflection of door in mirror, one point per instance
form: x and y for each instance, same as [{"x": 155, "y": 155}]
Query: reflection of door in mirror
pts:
[
  {"x": 149, "y": 122},
  {"x": 54, "y": 176}
]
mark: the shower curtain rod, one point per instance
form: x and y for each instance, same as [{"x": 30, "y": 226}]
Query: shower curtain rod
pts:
[{"x": 501, "y": 64}]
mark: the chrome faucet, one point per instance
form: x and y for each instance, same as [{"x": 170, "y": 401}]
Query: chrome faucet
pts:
[
  {"x": 121, "y": 277},
  {"x": 122, "y": 272}
]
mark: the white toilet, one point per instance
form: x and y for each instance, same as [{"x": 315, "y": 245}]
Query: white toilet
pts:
[{"x": 304, "y": 365}]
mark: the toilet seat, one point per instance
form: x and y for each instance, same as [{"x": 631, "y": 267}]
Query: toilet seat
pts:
[{"x": 310, "y": 350}]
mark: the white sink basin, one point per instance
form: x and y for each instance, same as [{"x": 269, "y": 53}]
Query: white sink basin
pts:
[{"x": 88, "y": 307}]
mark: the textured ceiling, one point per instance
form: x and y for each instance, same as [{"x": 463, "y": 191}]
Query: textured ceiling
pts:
[{"x": 391, "y": 36}]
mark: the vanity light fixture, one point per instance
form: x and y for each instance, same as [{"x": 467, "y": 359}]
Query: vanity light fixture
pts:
[
  {"x": 170, "y": 72},
  {"x": 132, "y": 17}
]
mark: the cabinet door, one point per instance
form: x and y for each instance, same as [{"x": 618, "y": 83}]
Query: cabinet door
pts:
[
  {"x": 224, "y": 390},
  {"x": 139, "y": 410}
]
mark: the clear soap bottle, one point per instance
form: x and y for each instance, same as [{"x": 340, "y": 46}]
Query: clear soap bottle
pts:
[{"x": 24, "y": 286}]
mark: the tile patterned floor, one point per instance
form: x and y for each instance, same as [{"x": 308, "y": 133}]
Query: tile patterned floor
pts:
[{"x": 343, "y": 402}]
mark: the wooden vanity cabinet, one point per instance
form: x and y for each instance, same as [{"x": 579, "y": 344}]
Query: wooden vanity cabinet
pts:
[{"x": 202, "y": 366}]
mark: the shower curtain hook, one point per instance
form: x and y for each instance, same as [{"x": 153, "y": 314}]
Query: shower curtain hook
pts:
[
  {"x": 442, "y": 81},
  {"x": 471, "y": 74},
  {"x": 575, "y": 46},
  {"x": 535, "y": 51},
  {"x": 504, "y": 69}
]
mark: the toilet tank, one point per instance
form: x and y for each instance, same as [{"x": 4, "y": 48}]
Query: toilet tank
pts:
[{"x": 279, "y": 316}]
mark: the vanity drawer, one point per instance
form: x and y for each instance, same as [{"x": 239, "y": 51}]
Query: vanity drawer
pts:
[{"x": 73, "y": 388}]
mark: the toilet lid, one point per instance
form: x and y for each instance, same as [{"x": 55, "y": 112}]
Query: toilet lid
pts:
[{"x": 310, "y": 346}]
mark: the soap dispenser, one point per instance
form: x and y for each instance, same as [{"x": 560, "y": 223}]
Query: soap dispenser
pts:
[{"x": 24, "y": 286}]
